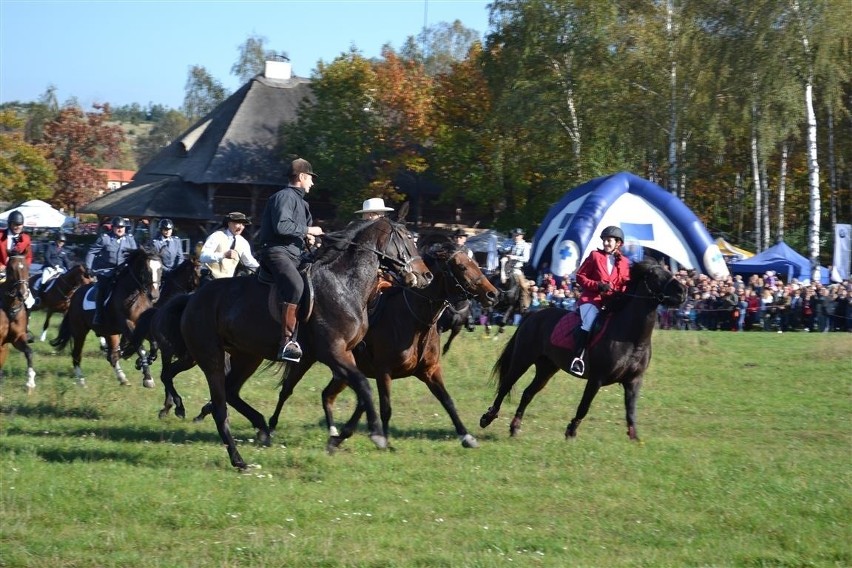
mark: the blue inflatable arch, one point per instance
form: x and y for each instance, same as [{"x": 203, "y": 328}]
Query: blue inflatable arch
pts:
[{"x": 649, "y": 216}]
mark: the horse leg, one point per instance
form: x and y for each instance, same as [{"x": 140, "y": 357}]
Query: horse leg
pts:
[
  {"x": 212, "y": 363},
  {"x": 23, "y": 346},
  {"x": 506, "y": 380},
  {"x": 143, "y": 363},
  {"x": 344, "y": 366},
  {"x": 43, "y": 336},
  {"x": 434, "y": 380},
  {"x": 78, "y": 339},
  {"x": 454, "y": 331},
  {"x": 242, "y": 367},
  {"x": 172, "y": 368},
  {"x": 114, "y": 358},
  {"x": 544, "y": 371},
  {"x": 292, "y": 376},
  {"x": 589, "y": 393},
  {"x": 631, "y": 394},
  {"x": 329, "y": 395}
]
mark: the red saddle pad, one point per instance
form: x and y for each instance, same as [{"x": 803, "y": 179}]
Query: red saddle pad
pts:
[{"x": 563, "y": 334}]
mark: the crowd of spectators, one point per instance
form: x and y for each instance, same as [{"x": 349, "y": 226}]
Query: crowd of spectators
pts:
[{"x": 760, "y": 303}]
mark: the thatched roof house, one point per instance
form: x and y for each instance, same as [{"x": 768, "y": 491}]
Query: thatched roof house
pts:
[{"x": 230, "y": 160}]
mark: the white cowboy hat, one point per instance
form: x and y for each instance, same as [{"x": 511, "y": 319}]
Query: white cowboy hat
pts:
[{"x": 374, "y": 205}]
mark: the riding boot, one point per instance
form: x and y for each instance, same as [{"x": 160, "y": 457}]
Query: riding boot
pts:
[
  {"x": 289, "y": 349},
  {"x": 578, "y": 366}
]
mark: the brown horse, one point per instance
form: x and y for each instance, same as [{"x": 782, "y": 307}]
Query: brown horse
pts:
[
  {"x": 231, "y": 316},
  {"x": 14, "y": 291},
  {"x": 620, "y": 353},
  {"x": 55, "y": 295},
  {"x": 402, "y": 340},
  {"x": 136, "y": 287}
]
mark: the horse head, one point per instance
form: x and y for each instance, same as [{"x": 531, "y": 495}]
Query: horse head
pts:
[
  {"x": 654, "y": 282},
  {"x": 16, "y": 286},
  {"x": 462, "y": 276},
  {"x": 398, "y": 252},
  {"x": 187, "y": 276},
  {"x": 146, "y": 267}
]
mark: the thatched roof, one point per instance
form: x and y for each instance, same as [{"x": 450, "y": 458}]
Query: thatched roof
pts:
[{"x": 237, "y": 143}]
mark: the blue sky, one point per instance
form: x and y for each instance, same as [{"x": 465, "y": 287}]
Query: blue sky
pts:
[{"x": 139, "y": 51}]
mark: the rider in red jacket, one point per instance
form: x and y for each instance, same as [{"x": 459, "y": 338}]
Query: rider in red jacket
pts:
[
  {"x": 14, "y": 241},
  {"x": 603, "y": 274}
]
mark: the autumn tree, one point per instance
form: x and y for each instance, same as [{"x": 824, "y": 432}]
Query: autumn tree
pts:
[
  {"x": 439, "y": 46},
  {"x": 168, "y": 128},
  {"x": 252, "y": 58},
  {"x": 338, "y": 130},
  {"x": 203, "y": 93},
  {"x": 77, "y": 143},
  {"x": 25, "y": 173}
]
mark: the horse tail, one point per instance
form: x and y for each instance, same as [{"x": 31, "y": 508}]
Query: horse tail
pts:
[
  {"x": 61, "y": 340},
  {"x": 166, "y": 325},
  {"x": 500, "y": 371}
]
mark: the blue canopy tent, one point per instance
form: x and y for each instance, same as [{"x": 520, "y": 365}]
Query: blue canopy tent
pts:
[{"x": 786, "y": 263}]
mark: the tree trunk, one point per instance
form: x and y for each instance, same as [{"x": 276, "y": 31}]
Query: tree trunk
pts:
[
  {"x": 673, "y": 177},
  {"x": 782, "y": 190},
  {"x": 832, "y": 169},
  {"x": 764, "y": 215},
  {"x": 755, "y": 172}
]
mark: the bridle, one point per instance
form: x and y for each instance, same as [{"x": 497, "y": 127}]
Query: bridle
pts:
[
  {"x": 402, "y": 260},
  {"x": 16, "y": 291},
  {"x": 659, "y": 297}
]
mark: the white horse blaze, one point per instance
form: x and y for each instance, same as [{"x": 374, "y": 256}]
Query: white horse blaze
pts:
[{"x": 155, "y": 266}]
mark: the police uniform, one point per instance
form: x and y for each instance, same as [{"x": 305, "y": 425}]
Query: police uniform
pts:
[{"x": 170, "y": 251}]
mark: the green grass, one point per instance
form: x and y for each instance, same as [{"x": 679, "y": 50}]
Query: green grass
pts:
[{"x": 745, "y": 461}]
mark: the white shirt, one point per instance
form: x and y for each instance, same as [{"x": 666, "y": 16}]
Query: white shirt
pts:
[{"x": 213, "y": 253}]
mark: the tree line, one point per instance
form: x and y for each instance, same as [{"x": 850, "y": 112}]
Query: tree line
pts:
[{"x": 740, "y": 108}]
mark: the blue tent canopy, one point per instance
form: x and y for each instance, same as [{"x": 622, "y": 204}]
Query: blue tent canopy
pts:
[{"x": 786, "y": 263}]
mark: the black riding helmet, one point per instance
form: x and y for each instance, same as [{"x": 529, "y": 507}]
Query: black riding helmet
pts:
[
  {"x": 614, "y": 232},
  {"x": 120, "y": 222},
  {"x": 16, "y": 218},
  {"x": 166, "y": 224}
]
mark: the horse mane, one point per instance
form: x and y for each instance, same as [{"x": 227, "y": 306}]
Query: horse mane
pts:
[
  {"x": 643, "y": 267},
  {"x": 335, "y": 243}
]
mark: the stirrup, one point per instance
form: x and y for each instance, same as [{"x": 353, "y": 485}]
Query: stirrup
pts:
[
  {"x": 290, "y": 352},
  {"x": 578, "y": 367}
]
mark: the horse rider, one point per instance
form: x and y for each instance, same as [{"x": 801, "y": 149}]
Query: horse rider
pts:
[
  {"x": 601, "y": 276},
  {"x": 460, "y": 238},
  {"x": 168, "y": 245},
  {"x": 374, "y": 208},
  {"x": 226, "y": 247},
  {"x": 56, "y": 262},
  {"x": 108, "y": 252},
  {"x": 286, "y": 226},
  {"x": 519, "y": 254}
]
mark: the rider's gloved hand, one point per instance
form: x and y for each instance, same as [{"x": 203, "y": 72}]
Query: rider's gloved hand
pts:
[{"x": 604, "y": 287}]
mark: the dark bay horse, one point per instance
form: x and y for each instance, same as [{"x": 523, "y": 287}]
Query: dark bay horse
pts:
[
  {"x": 402, "y": 340},
  {"x": 14, "y": 291},
  {"x": 136, "y": 287},
  {"x": 184, "y": 279},
  {"x": 619, "y": 354},
  {"x": 228, "y": 326},
  {"x": 55, "y": 295}
]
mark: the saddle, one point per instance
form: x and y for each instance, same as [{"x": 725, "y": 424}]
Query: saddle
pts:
[
  {"x": 562, "y": 335},
  {"x": 306, "y": 302}
]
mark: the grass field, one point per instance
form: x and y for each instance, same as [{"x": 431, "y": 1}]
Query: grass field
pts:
[{"x": 744, "y": 461}]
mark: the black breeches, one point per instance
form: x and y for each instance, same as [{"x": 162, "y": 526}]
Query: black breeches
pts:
[{"x": 286, "y": 270}]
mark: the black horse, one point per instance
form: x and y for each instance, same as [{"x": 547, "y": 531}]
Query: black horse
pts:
[
  {"x": 402, "y": 340},
  {"x": 619, "y": 354},
  {"x": 136, "y": 287},
  {"x": 229, "y": 326}
]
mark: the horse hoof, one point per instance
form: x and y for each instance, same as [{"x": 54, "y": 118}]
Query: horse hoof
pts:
[
  {"x": 469, "y": 441},
  {"x": 487, "y": 418},
  {"x": 81, "y": 382},
  {"x": 30, "y": 389},
  {"x": 148, "y": 383},
  {"x": 333, "y": 443},
  {"x": 380, "y": 441},
  {"x": 263, "y": 438},
  {"x": 162, "y": 413}
]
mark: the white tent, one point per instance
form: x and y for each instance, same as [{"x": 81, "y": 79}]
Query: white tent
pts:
[{"x": 36, "y": 213}]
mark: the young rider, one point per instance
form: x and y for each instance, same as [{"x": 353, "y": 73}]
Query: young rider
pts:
[{"x": 603, "y": 274}]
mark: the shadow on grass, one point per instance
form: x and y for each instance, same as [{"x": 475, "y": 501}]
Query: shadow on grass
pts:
[
  {"x": 57, "y": 455},
  {"x": 49, "y": 410},
  {"x": 133, "y": 434}
]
